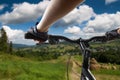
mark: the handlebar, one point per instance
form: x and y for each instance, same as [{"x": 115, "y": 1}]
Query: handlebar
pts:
[
  {"x": 95, "y": 39},
  {"x": 57, "y": 37},
  {"x": 110, "y": 35}
]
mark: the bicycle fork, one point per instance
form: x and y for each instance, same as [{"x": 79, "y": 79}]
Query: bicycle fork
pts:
[{"x": 86, "y": 53}]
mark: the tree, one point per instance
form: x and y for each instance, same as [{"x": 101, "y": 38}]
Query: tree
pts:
[
  {"x": 10, "y": 48},
  {"x": 3, "y": 41}
]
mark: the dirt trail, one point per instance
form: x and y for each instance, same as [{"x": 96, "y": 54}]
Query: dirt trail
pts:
[{"x": 74, "y": 75}]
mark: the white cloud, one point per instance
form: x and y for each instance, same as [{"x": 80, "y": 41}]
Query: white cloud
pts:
[
  {"x": 76, "y": 16},
  {"x": 17, "y": 36},
  {"x": 76, "y": 32},
  {"x": 27, "y": 12},
  {"x": 110, "y": 1},
  {"x": 104, "y": 22},
  {"x": 79, "y": 15},
  {"x": 2, "y": 6},
  {"x": 88, "y": 30},
  {"x": 99, "y": 26},
  {"x": 24, "y": 12},
  {"x": 73, "y": 30}
]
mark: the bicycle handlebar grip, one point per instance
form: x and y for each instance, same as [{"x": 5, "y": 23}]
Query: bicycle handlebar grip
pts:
[{"x": 112, "y": 34}]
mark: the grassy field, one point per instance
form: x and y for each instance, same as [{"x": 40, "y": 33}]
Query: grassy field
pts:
[
  {"x": 101, "y": 74},
  {"x": 17, "y": 68},
  {"x": 107, "y": 74}
]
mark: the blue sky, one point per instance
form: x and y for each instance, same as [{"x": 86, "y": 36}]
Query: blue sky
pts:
[{"x": 93, "y": 17}]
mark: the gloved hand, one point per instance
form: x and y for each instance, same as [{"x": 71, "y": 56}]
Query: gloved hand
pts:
[{"x": 35, "y": 35}]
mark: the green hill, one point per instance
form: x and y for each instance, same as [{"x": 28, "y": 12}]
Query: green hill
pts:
[{"x": 20, "y": 68}]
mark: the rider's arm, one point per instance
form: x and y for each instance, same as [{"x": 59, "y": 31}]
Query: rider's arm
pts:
[{"x": 55, "y": 10}]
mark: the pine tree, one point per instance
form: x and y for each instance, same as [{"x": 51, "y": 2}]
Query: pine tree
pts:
[
  {"x": 10, "y": 47},
  {"x": 3, "y": 41}
]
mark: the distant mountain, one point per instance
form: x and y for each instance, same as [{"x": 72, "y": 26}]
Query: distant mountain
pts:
[
  {"x": 21, "y": 45},
  {"x": 37, "y": 45}
]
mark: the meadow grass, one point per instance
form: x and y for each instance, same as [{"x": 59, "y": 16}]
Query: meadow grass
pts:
[
  {"x": 102, "y": 74},
  {"x": 15, "y": 68},
  {"x": 107, "y": 74}
]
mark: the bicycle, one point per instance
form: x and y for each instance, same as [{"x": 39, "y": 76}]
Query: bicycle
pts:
[{"x": 86, "y": 52}]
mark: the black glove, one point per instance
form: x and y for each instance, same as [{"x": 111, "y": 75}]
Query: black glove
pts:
[
  {"x": 112, "y": 34},
  {"x": 35, "y": 35}
]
